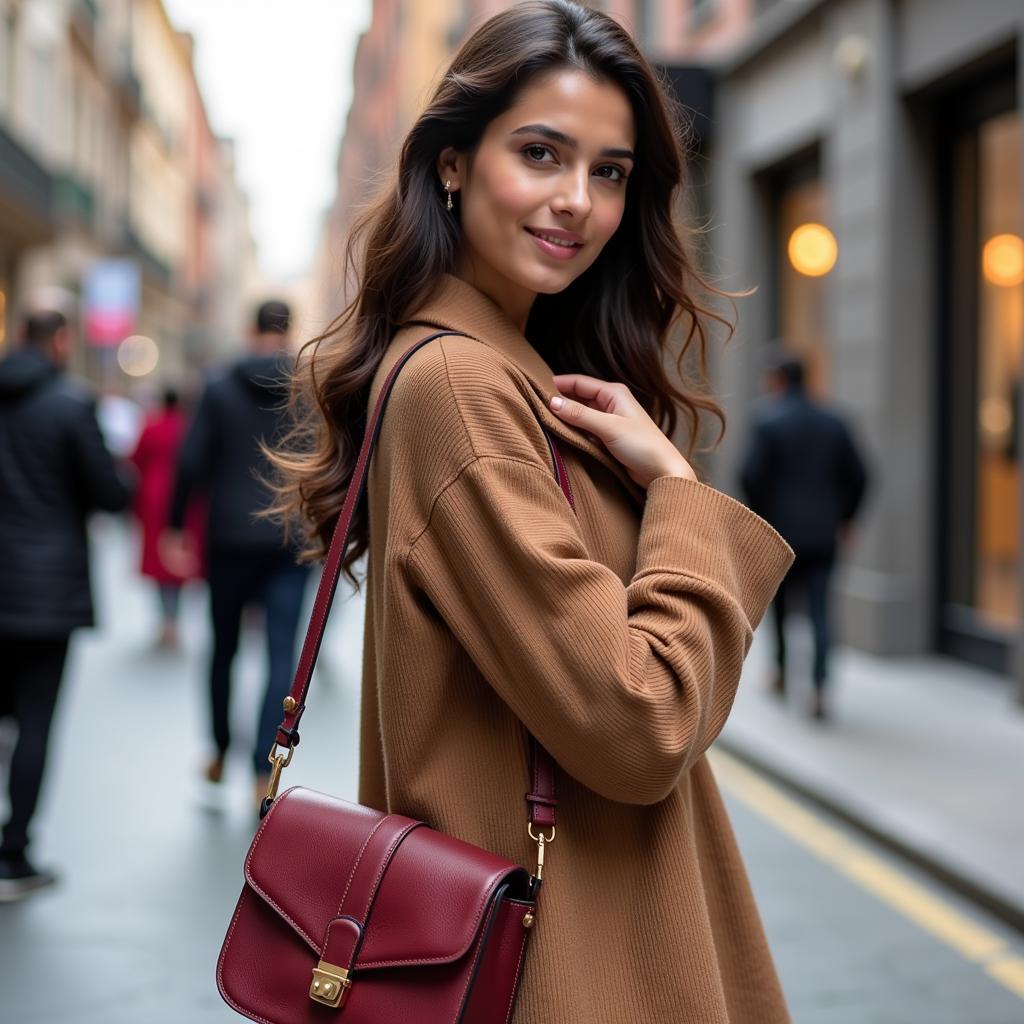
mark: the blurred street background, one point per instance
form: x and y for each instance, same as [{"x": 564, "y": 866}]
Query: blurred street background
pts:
[{"x": 167, "y": 165}]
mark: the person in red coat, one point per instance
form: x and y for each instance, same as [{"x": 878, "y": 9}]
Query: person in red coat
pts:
[{"x": 155, "y": 457}]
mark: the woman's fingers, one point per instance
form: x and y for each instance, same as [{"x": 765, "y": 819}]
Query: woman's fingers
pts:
[
  {"x": 580, "y": 415},
  {"x": 609, "y": 411},
  {"x": 595, "y": 393}
]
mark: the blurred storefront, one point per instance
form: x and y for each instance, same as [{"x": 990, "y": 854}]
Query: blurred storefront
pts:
[
  {"x": 866, "y": 166},
  {"x": 107, "y": 158}
]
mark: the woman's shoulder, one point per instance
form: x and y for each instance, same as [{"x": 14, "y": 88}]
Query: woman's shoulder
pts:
[{"x": 461, "y": 388}]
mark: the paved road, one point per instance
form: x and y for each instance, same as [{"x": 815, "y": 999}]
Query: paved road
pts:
[{"x": 152, "y": 873}]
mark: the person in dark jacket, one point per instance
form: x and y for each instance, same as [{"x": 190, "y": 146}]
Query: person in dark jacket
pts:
[
  {"x": 803, "y": 473},
  {"x": 247, "y": 558},
  {"x": 54, "y": 471}
]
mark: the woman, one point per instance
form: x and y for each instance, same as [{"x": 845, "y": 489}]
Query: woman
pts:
[
  {"x": 155, "y": 457},
  {"x": 533, "y": 212}
]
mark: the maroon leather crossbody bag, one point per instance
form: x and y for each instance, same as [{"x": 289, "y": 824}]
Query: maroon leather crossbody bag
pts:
[{"x": 352, "y": 914}]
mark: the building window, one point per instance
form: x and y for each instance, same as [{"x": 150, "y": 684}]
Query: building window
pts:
[
  {"x": 983, "y": 375},
  {"x": 804, "y": 251},
  {"x": 1000, "y": 316}
]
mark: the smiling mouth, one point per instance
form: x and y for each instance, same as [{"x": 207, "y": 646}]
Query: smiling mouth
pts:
[{"x": 563, "y": 242}]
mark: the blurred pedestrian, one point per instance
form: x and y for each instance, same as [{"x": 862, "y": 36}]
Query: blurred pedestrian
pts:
[
  {"x": 247, "y": 559},
  {"x": 803, "y": 473},
  {"x": 54, "y": 470},
  {"x": 156, "y": 457}
]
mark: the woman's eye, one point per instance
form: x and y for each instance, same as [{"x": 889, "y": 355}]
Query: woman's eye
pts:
[
  {"x": 536, "y": 149},
  {"x": 622, "y": 175},
  {"x": 530, "y": 152}
]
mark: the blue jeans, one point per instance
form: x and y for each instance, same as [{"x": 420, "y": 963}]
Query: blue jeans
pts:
[{"x": 237, "y": 577}]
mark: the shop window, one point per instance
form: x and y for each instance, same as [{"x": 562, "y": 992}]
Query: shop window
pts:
[
  {"x": 1000, "y": 328},
  {"x": 805, "y": 251},
  {"x": 982, "y": 328}
]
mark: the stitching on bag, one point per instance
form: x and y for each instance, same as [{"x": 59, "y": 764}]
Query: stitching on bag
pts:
[
  {"x": 359, "y": 857},
  {"x": 384, "y": 863},
  {"x": 284, "y": 913},
  {"x": 515, "y": 983},
  {"x": 488, "y": 893},
  {"x": 220, "y": 967},
  {"x": 252, "y": 882}
]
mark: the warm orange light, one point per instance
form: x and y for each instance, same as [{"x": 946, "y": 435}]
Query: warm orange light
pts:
[
  {"x": 812, "y": 250},
  {"x": 1002, "y": 260}
]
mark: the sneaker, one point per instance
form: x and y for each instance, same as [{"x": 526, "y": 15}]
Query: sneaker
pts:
[{"x": 18, "y": 878}]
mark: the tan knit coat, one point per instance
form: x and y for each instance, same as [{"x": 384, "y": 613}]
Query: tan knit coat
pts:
[{"x": 615, "y": 633}]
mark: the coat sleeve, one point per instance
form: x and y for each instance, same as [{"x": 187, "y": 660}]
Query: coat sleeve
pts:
[{"x": 625, "y": 684}]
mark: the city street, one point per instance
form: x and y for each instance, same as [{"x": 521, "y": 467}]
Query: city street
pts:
[{"x": 152, "y": 865}]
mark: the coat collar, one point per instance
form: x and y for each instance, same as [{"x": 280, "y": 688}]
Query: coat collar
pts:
[{"x": 459, "y": 306}]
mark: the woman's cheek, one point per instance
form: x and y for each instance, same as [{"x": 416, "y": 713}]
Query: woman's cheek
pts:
[{"x": 515, "y": 198}]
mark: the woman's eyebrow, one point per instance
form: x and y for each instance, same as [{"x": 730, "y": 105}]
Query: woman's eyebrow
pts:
[{"x": 567, "y": 140}]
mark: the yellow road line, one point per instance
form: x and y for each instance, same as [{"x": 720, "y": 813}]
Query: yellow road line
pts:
[{"x": 886, "y": 883}]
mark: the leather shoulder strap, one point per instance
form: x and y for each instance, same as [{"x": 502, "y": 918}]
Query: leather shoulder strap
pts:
[{"x": 541, "y": 798}]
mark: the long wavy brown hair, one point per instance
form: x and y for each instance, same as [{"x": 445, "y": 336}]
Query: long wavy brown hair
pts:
[{"x": 613, "y": 322}]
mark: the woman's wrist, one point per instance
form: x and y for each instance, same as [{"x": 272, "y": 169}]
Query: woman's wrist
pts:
[{"x": 681, "y": 469}]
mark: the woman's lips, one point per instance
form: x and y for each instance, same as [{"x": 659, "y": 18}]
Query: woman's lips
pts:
[{"x": 560, "y": 252}]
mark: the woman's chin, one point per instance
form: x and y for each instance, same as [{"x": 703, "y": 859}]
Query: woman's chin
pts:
[{"x": 547, "y": 281}]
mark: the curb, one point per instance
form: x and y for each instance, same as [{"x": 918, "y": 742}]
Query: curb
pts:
[{"x": 996, "y": 903}]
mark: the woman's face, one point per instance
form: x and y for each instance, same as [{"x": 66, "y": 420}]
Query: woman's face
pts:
[{"x": 555, "y": 163}]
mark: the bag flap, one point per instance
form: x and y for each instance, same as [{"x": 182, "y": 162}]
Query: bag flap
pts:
[{"x": 431, "y": 899}]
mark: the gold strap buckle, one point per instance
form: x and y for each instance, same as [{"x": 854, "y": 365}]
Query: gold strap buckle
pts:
[
  {"x": 330, "y": 985},
  {"x": 541, "y": 840},
  {"x": 278, "y": 765}
]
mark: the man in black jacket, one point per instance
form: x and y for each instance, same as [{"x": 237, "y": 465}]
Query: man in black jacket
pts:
[
  {"x": 802, "y": 473},
  {"x": 54, "y": 470},
  {"x": 247, "y": 559}
]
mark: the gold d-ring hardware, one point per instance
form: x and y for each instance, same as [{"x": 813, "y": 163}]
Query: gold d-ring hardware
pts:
[
  {"x": 540, "y": 840},
  {"x": 279, "y": 763}
]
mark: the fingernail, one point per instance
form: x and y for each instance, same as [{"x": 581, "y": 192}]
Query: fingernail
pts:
[{"x": 556, "y": 402}]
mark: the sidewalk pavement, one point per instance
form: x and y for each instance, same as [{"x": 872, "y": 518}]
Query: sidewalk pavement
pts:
[
  {"x": 926, "y": 754},
  {"x": 151, "y": 860}
]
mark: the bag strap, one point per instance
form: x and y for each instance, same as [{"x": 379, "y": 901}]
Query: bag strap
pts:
[{"x": 541, "y": 797}]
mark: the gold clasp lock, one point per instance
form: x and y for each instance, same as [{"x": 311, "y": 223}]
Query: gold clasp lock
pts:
[
  {"x": 330, "y": 985},
  {"x": 278, "y": 764},
  {"x": 540, "y": 840}
]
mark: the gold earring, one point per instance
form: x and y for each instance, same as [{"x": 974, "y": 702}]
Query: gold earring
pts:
[{"x": 448, "y": 189}]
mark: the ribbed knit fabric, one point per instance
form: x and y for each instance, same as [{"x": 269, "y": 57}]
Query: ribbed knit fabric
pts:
[{"x": 615, "y": 634}]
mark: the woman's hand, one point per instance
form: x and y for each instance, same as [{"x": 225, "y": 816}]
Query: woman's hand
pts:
[
  {"x": 177, "y": 555},
  {"x": 610, "y": 412}
]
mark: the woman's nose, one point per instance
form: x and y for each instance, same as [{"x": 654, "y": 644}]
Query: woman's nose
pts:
[{"x": 574, "y": 195}]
